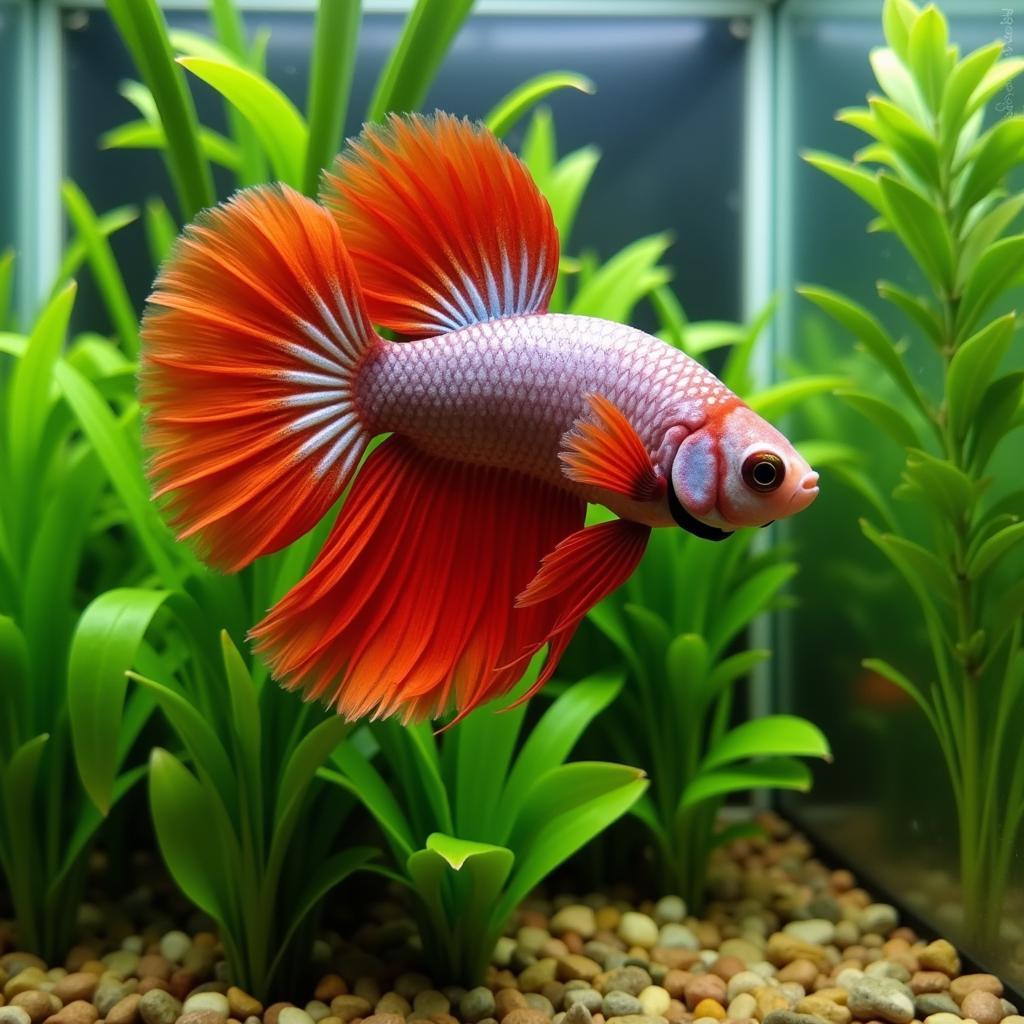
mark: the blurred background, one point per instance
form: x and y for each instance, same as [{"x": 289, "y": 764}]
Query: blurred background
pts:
[{"x": 701, "y": 112}]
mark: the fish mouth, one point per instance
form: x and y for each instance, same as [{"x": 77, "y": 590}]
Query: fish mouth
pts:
[
  {"x": 805, "y": 493},
  {"x": 691, "y": 524}
]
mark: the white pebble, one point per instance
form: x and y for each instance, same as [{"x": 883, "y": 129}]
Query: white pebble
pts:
[
  {"x": 174, "y": 946},
  {"x": 743, "y": 1007},
  {"x": 654, "y": 1001},
  {"x": 294, "y": 1015},
  {"x": 637, "y": 929},
  {"x": 318, "y": 1010},
  {"x": 670, "y": 910},
  {"x": 214, "y": 1002},
  {"x": 740, "y": 984},
  {"x": 849, "y": 977},
  {"x": 765, "y": 969},
  {"x": 14, "y": 1015},
  {"x": 817, "y": 930}
]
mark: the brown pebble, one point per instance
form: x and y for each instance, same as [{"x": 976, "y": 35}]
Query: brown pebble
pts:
[
  {"x": 784, "y": 948},
  {"x": 802, "y": 971},
  {"x": 677, "y": 1013},
  {"x": 506, "y": 1000},
  {"x": 769, "y": 1000},
  {"x": 842, "y": 880},
  {"x": 960, "y": 987},
  {"x": 818, "y": 1006},
  {"x": 80, "y": 985},
  {"x": 391, "y": 1004},
  {"x": 154, "y": 966},
  {"x": 706, "y": 986},
  {"x": 96, "y": 967},
  {"x": 834, "y": 995},
  {"x": 274, "y": 1011},
  {"x": 928, "y": 981},
  {"x": 607, "y": 918},
  {"x": 984, "y": 1007},
  {"x": 148, "y": 984},
  {"x": 675, "y": 982},
  {"x": 38, "y": 1005},
  {"x": 525, "y": 1015},
  {"x": 348, "y": 1007},
  {"x": 573, "y": 942},
  {"x": 125, "y": 1011},
  {"x": 329, "y": 986},
  {"x": 940, "y": 955},
  {"x": 181, "y": 982},
  {"x": 726, "y": 966},
  {"x": 78, "y": 1012},
  {"x": 675, "y": 959},
  {"x": 575, "y": 967},
  {"x": 242, "y": 1004}
]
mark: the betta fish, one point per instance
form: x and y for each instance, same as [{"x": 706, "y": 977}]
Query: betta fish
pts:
[{"x": 460, "y": 550}]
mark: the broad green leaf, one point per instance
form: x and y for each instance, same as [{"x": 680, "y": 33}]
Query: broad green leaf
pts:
[
  {"x": 926, "y": 54},
  {"x": 897, "y": 83},
  {"x": 335, "y": 40},
  {"x": 552, "y": 739},
  {"x": 916, "y": 309},
  {"x": 870, "y": 333},
  {"x": 972, "y": 368},
  {"x": 997, "y": 267},
  {"x": 368, "y": 785},
  {"x": 932, "y": 575},
  {"x": 884, "y": 415},
  {"x": 997, "y": 409},
  {"x": 426, "y": 36},
  {"x": 921, "y": 227},
  {"x": 897, "y": 18},
  {"x": 6, "y": 287},
  {"x": 513, "y": 107},
  {"x": 539, "y": 149},
  {"x": 142, "y": 135},
  {"x": 907, "y": 139},
  {"x": 672, "y": 316},
  {"x": 278, "y": 124},
  {"x": 861, "y": 182},
  {"x": 996, "y": 547},
  {"x": 771, "y": 773},
  {"x": 565, "y": 186},
  {"x": 775, "y": 401},
  {"x": 987, "y": 230},
  {"x": 143, "y": 30},
  {"x": 624, "y": 280},
  {"x": 105, "y": 645},
  {"x": 736, "y": 666},
  {"x": 708, "y": 335},
  {"x": 192, "y": 830},
  {"x": 738, "y": 830},
  {"x": 946, "y": 486},
  {"x": 995, "y": 79},
  {"x": 996, "y": 153},
  {"x": 770, "y": 736},
  {"x": 559, "y": 838},
  {"x": 963, "y": 80}
]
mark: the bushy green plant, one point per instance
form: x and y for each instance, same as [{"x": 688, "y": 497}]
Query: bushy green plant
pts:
[
  {"x": 475, "y": 818},
  {"x": 679, "y": 625},
  {"x": 59, "y": 530},
  {"x": 936, "y": 179},
  {"x": 264, "y": 860}
]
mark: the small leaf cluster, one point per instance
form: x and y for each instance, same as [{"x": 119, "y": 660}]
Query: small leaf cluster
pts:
[{"x": 936, "y": 172}]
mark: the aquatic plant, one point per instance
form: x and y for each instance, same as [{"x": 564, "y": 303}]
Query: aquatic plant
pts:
[
  {"x": 475, "y": 819},
  {"x": 269, "y": 826},
  {"x": 60, "y": 537},
  {"x": 936, "y": 178},
  {"x": 679, "y": 625}
]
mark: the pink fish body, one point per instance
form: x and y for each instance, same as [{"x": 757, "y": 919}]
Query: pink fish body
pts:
[{"x": 460, "y": 550}]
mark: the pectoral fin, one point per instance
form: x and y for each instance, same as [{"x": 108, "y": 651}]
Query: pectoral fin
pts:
[{"x": 605, "y": 451}]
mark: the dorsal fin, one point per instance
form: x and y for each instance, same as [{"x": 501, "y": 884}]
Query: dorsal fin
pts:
[{"x": 444, "y": 223}]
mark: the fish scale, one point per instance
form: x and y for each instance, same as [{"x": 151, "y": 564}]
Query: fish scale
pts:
[{"x": 503, "y": 393}]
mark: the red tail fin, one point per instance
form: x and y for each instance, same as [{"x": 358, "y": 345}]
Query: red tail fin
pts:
[
  {"x": 409, "y": 608},
  {"x": 252, "y": 340}
]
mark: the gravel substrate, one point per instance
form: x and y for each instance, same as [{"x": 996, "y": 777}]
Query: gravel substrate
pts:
[{"x": 783, "y": 940}]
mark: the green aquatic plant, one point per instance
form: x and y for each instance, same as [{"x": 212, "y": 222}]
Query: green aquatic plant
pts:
[
  {"x": 269, "y": 825},
  {"x": 477, "y": 816},
  {"x": 60, "y": 537},
  {"x": 679, "y": 625},
  {"x": 937, "y": 179}
]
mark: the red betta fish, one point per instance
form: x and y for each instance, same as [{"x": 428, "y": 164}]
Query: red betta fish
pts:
[{"x": 460, "y": 551}]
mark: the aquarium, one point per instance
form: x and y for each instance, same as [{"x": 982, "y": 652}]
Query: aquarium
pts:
[{"x": 510, "y": 512}]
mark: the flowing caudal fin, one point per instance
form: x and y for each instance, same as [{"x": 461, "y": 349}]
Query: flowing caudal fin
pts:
[
  {"x": 445, "y": 225},
  {"x": 252, "y": 340},
  {"x": 410, "y": 607}
]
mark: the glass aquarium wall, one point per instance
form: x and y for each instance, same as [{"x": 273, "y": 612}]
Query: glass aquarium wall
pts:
[
  {"x": 668, "y": 115},
  {"x": 885, "y": 805}
]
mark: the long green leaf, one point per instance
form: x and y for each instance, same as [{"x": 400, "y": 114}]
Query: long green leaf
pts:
[
  {"x": 513, "y": 107},
  {"x": 335, "y": 39},
  {"x": 771, "y": 773},
  {"x": 278, "y": 124},
  {"x": 972, "y": 368},
  {"x": 142, "y": 28}
]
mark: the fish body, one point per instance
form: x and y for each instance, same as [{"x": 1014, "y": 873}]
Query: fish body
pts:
[{"x": 460, "y": 550}]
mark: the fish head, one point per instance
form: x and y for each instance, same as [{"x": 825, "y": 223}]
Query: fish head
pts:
[{"x": 737, "y": 470}]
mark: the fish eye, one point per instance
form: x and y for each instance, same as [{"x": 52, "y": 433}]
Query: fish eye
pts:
[{"x": 763, "y": 472}]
